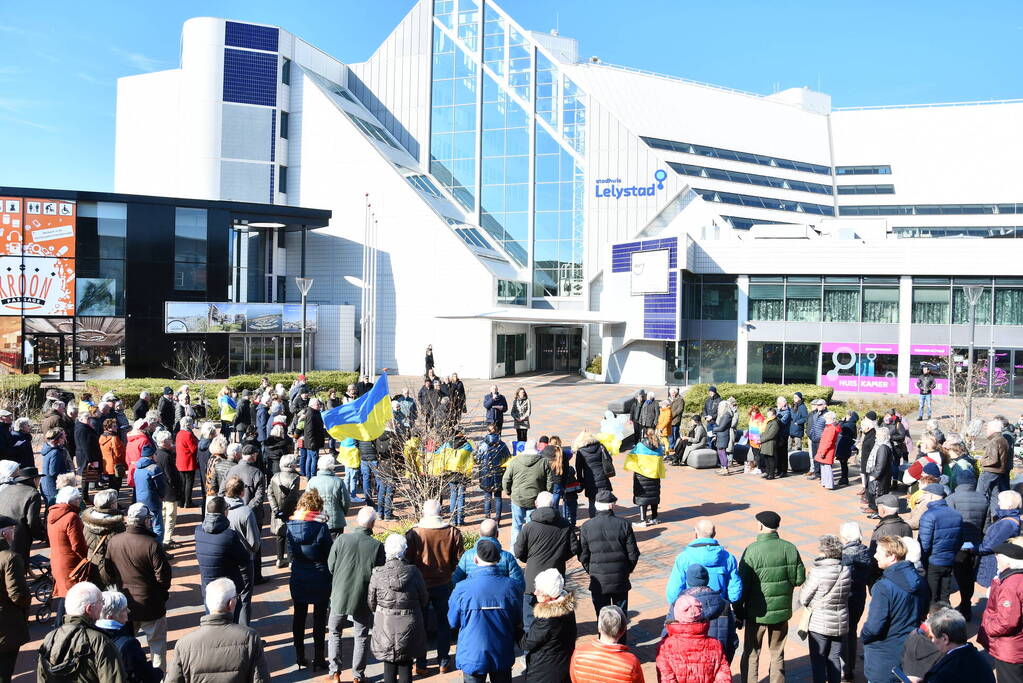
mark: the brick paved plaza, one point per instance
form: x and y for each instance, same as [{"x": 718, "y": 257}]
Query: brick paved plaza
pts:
[{"x": 564, "y": 406}]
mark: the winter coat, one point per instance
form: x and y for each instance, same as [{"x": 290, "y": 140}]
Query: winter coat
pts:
[
  {"x": 526, "y": 476},
  {"x": 941, "y": 534},
  {"x": 1006, "y": 525},
  {"x": 172, "y": 478},
  {"x": 826, "y": 592},
  {"x": 398, "y": 597},
  {"x": 688, "y": 655},
  {"x": 963, "y": 663},
  {"x": 973, "y": 506},
  {"x": 86, "y": 654},
  {"x": 997, "y": 457},
  {"x": 221, "y": 651},
  {"x": 678, "y": 408},
  {"x": 857, "y": 558},
  {"x": 22, "y": 503},
  {"x": 520, "y": 412},
  {"x": 244, "y": 416},
  {"x": 220, "y": 466},
  {"x": 254, "y": 493},
  {"x": 550, "y": 641},
  {"x": 506, "y": 566},
  {"x": 722, "y": 570},
  {"x": 784, "y": 418},
  {"x": 891, "y": 525},
  {"x": 136, "y": 667},
  {"x": 770, "y": 569},
  {"x": 646, "y": 490},
  {"x": 489, "y": 461},
  {"x": 279, "y": 446},
  {"x": 722, "y": 425},
  {"x": 138, "y": 445},
  {"x": 898, "y": 603},
  {"x": 487, "y": 611},
  {"x": 55, "y": 463},
  {"x": 220, "y": 551},
  {"x": 710, "y": 406},
  {"x": 828, "y": 444},
  {"x": 67, "y": 545},
  {"x": 15, "y": 598},
  {"x": 847, "y": 436},
  {"x": 769, "y": 437},
  {"x": 546, "y": 541},
  {"x": 86, "y": 446},
  {"x": 648, "y": 413},
  {"x": 283, "y": 493},
  {"x": 352, "y": 558},
  {"x": 99, "y": 526},
  {"x": 698, "y": 438},
  {"x": 314, "y": 436},
  {"x": 150, "y": 486},
  {"x": 815, "y": 425},
  {"x": 1001, "y": 628},
  {"x": 589, "y": 466},
  {"x": 597, "y": 662},
  {"x": 495, "y": 408},
  {"x": 143, "y": 572},
  {"x": 112, "y": 450},
  {"x": 608, "y": 552},
  {"x": 800, "y": 416},
  {"x": 435, "y": 547},
  {"x": 242, "y": 520},
  {"x": 309, "y": 545},
  {"x": 336, "y": 499},
  {"x": 718, "y": 613},
  {"x": 262, "y": 419},
  {"x": 186, "y": 449}
]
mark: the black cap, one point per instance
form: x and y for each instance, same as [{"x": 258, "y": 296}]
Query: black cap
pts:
[
  {"x": 772, "y": 520},
  {"x": 249, "y": 449},
  {"x": 6, "y": 521},
  {"x": 712, "y": 388},
  {"x": 605, "y": 496},
  {"x": 27, "y": 473},
  {"x": 167, "y": 391},
  {"x": 870, "y": 415},
  {"x": 1009, "y": 550},
  {"x": 488, "y": 552}
]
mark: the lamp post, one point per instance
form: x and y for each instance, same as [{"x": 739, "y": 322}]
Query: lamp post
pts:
[
  {"x": 973, "y": 293},
  {"x": 304, "y": 285}
]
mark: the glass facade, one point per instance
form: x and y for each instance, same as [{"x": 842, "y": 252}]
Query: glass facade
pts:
[
  {"x": 836, "y": 299},
  {"x": 530, "y": 137},
  {"x": 189, "y": 249},
  {"x": 782, "y": 363},
  {"x": 709, "y": 297},
  {"x": 696, "y": 361}
]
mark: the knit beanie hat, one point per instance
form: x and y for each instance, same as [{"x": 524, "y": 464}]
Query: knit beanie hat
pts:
[
  {"x": 696, "y": 575},
  {"x": 687, "y": 610},
  {"x": 550, "y": 583}
]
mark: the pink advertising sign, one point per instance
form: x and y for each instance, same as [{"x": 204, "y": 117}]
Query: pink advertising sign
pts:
[
  {"x": 876, "y": 385},
  {"x": 853, "y": 347},
  {"x": 929, "y": 350}
]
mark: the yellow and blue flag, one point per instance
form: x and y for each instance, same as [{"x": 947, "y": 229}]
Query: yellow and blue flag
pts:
[{"x": 365, "y": 418}]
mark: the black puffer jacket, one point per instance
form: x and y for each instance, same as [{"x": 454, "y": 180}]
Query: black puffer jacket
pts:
[
  {"x": 608, "y": 552},
  {"x": 973, "y": 506},
  {"x": 551, "y": 641},
  {"x": 589, "y": 464},
  {"x": 547, "y": 541}
]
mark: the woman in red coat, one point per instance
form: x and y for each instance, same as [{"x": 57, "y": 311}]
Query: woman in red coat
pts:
[
  {"x": 687, "y": 654},
  {"x": 68, "y": 548},
  {"x": 827, "y": 448},
  {"x": 186, "y": 449}
]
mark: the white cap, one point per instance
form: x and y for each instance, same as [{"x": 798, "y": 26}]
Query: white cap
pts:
[
  {"x": 138, "y": 512},
  {"x": 525, "y": 448},
  {"x": 550, "y": 582},
  {"x": 5, "y": 413},
  {"x": 109, "y": 396},
  {"x": 8, "y": 468}
]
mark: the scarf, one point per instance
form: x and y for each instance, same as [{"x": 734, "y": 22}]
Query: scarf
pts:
[{"x": 309, "y": 516}]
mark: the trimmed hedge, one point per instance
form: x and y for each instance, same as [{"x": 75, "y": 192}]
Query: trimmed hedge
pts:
[
  {"x": 764, "y": 395},
  {"x": 320, "y": 380}
]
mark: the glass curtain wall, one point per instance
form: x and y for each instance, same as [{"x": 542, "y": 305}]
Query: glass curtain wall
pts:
[
  {"x": 453, "y": 113},
  {"x": 695, "y": 361},
  {"x": 709, "y": 297},
  {"x": 841, "y": 300},
  {"x": 932, "y": 305},
  {"x": 1001, "y": 304},
  {"x": 799, "y": 299},
  {"x": 782, "y": 363}
]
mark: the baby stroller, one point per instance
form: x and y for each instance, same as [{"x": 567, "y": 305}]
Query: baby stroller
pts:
[{"x": 40, "y": 583}]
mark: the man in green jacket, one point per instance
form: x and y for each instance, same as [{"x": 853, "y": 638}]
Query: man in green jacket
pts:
[
  {"x": 770, "y": 569},
  {"x": 77, "y": 650},
  {"x": 351, "y": 562},
  {"x": 528, "y": 474}
]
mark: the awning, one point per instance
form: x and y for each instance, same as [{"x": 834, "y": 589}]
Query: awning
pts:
[{"x": 540, "y": 316}]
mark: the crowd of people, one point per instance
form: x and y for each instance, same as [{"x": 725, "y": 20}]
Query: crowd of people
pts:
[{"x": 262, "y": 458}]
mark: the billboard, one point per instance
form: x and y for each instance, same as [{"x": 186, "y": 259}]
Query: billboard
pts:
[
  {"x": 37, "y": 249},
  {"x": 37, "y": 286},
  {"x": 650, "y": 271},
  {"x": 38, "y": 227},
  {"x": 192, "y": 317}
]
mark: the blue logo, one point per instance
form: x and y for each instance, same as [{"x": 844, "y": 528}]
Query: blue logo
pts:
[{"x": 612, "y": 188}]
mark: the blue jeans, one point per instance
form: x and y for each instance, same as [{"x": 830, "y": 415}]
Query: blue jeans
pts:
[
  {"x": 493, "y": 499},
  {"x": 367, "y": 468},
  {"x": 385, "y": 499},
  {"x": 570, "y": 503},
  {"x": 157, "y": 513},
  {"x": 308, "y": 463},
  {"x": 352, "y": 481},
  {"x": 457, "y": 494},
  {"x": 519, "y": 517},
  {"x": 442, "y": 639},
  {"x": 925, "y": 400}
]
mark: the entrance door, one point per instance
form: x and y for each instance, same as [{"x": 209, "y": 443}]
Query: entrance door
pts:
[
  {"x": 49, "y": 356},
  {"x": 560, "y": 349},
  {"x": 509, "y": 355}
]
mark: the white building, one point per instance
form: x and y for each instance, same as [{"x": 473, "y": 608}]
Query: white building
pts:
[{"x": 512, "y": 185}]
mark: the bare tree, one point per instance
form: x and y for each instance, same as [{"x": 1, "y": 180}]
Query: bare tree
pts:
[
  {"x": 191, "y": 362},
  {"x": 969, "y": 392}
]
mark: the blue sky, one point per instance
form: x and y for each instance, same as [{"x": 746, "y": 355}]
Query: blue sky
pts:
[{"x": 59, "y": 60}]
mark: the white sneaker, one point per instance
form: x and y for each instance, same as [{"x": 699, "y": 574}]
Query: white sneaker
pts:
[
  {"x": 639, "y": 523},
  {"x": 756, "y": 471}
]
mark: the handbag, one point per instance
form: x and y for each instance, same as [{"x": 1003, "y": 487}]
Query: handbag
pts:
[
  {"x": 91, "y": 473},
  {"x": 609, "y": 465}
]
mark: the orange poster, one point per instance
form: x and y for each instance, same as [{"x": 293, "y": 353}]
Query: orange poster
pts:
[
  {"x": 10, "y": 225},
  {"x": 37, "y": 286},
  {"x": 49, "y": 227}
]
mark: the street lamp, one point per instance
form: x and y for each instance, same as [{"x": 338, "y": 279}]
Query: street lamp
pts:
[
  {"x": 973, "y": 294},
  {"x": 304, "y": 285}
]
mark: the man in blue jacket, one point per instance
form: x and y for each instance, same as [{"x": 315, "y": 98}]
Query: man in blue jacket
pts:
[
  {"x": 506, "y": 566},
  {"x": 798, "y": 424},
  {"x": 815, "y": 430},
  {"x": 150, "y": 489},
  {"x": 941, "y": 537},
  {"x": 721, "y": 566},
  {"x": 496, "y": 406},
  {"x": 898, "y": 604},
  {"x": 781, "y": 450},
  {"x": 487, "y": 611}
]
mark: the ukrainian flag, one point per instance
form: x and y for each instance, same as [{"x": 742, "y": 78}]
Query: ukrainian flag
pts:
[{"x": 365, "y": 418}]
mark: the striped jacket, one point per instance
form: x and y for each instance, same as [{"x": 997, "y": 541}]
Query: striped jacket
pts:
[{"x": 597, "y": 662}]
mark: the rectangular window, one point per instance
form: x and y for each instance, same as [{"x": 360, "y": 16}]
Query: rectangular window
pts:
[
  {"x": 766, "y": 302},
  {"x": 500, "y": 348},
  {"x": 803, "y": 303},
  {"x": 717, "y": 361},
  {"x": 961, "y": 307},
  {"x": 841, "y": 303},
  {"x": 880, "y": 304},
  {"x": 520, "y": 347},
  {"x": 866, "y": 189},
  {"x": 286, "y": 71},
  {"x": 1008, "y": 306},
  {"x": 931, "y": 305},
  {"x": 102, "y": 229},
  {"x": 189, "y": 249},
  {"x": 511, "y": 292},
  {"x": 719, "y": 302},
  {"x": 863, "y": 170},
  {"x": 282, "y": 179},
  {"x": 284, "y": 125}
]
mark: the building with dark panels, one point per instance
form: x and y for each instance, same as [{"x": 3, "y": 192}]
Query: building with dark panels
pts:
[{"x": 97, "y": 285}]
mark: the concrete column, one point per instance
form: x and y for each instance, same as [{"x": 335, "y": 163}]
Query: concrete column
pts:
[
  {"x": 905, "y": 331},
  {"x": 742, "y": 334}
]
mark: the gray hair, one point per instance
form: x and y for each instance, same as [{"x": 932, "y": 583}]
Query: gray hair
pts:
[
  {"x": 395, "y": 545},
  {"x": 80, "y": 597},
  {"x": 69, "y": 495},
  {"x": 21, "y": 422},
  {"x": 139, "y": 424},
  {"x": 850, "y": 532},
  {"x": 544, "y": 499},
  {"x": 206, "y": 429},
  {"x": 314, "y": 403},
  {"x": 233, "y": 450},
  {"x": 105, "y": 499},
  {"x": 161, "y": 437},
  {"x": 186, "y": 422},
  {"x": 366, "y": 517},
  {"x": 948, "y": 622},
  {"x": 218, "y": 446},
  {"x": 277, "y": 430},
  {"x": 288, "y": 461},
  {"x": 143, "y": 394},
  {"x": 113, "y": 603},
  {"x": 603, "y": 507},
  {"x": 219, "y": 594},
  {"x": 325, "y": 463},
  {"x": 829, "y": 418},
  {"x": 612, "y": 622},
  {"x": 1009, "y": 500}
]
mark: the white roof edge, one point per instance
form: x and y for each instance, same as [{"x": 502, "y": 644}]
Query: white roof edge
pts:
[{"x": 537, "y": 315}]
